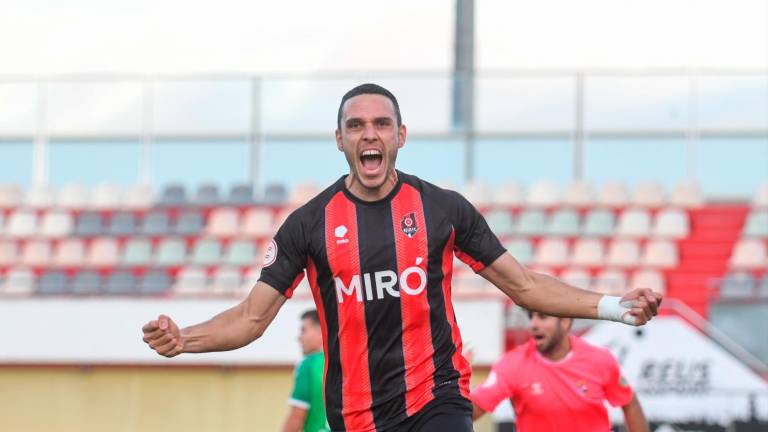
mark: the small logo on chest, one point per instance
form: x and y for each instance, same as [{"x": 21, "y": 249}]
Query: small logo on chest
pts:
[
  {"x": 408, "y": 225},
  {"x": 536, "y": 388},
  {"x": 340, "y": 232}
]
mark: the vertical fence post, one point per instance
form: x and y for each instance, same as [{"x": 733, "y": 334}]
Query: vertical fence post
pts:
[
  {"x": 256, "y": 143},
  {"x": 578, "y": 128},
  {"x": 40, "y": 148}
]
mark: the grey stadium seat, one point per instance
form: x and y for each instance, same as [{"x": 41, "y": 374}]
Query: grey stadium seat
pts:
[
  {"x": 89, "y": 224},
  {"x": 53, "y": 282},
  {"x": 87, "y": 282},
  {"x": 121, "y": 282},
  {"x": 155, "y": 281}
]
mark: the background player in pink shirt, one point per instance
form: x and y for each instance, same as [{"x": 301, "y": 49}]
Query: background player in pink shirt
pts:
[{"x": 558, "y": 382}]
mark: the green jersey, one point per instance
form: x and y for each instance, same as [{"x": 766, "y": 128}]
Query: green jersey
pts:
[{"x": 308, "y": 392}]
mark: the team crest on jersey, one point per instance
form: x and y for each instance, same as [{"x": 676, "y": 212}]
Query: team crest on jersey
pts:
[
  {"x": 408, "y": 225},
  {"x": 582, "y": 386},
  {"x": 271, "y": 254}
]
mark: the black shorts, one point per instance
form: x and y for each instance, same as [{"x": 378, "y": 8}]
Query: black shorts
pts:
[{"x": 443, "y": 414}]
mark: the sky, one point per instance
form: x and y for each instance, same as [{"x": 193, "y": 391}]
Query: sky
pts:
[{"x": 46, "y": 37}]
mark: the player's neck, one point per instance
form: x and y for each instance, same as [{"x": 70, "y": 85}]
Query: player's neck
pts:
[
  {"x": 356, "y": 187},
  {"x": 560, "y": 351}
]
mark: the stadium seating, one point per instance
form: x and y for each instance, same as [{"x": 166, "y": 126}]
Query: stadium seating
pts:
[
  {"x": 87, "y": 282},
  {"x": 660, "y": 254},
  {"x": 157, "y": 223},
  {"x": 22, "y": 223},
  {"x": 543, "y": 194},
  {"x": 531, "y": 222},
  {"x": 107, "y": 240},
  {"x": 103, "y": 252},
  {"x": 552, "y": 252},
  {"x": 634, "y": 223},
  {"x": 224, "y": 222},
  {"x": 154, "y": 282},
  {"x": 599, "y": 223},
  {"x": 19, "y": 281},
  {"x": 500, "y": 222},
  {"x": 107, "y": 196},
  {"x": 760, "y": 200},
  {"x": 757, "y": 224},
  {"x": 564, "y": 222},
  {"x": 9, "y": 252},
  {"x": 137, "y": 197},
  {"x": 240, "y": 195},
  {"x": 137, "y": 252},
  {"x": 257, "y": 222},
  {"x": 623, "y": 253},
  {"x": 610, "y": 281},
  {"x": 10, "y": 196},
  {"x": 36, "y": 253},
  {"x": 89, "y": 224},
  {"x": 56, "y": 224},
  {"x": 648, "y": 278},
  {"x": 40, "y": 196},
  {"x": 588, "y": 252},
  {"x": 171, "y": 252},
  {"x": 579, "y": 195},
  {"x": 521, "y": 249},
  {"x": 477, "y": 193},
  {"x": 72, "y": 196},
  {"x": 671, "y": 223},
  {"x": 121, "y": 282},
  {"x": 173, "y": 195},
  {"x": 190, "y": 223},
  {"x": 190, "y": 281},
  {"x": 649, "y": 195},
  {"x": 687, "y": 195},
  {"x": 749, "y": 254},
  {"x": 207, "y": 195},
  {"x": 509, "y": 195},
  {"x": 577, "y": 277},
  {"x": 737, "y": 285},
  {"x": 613, "y": 195}
]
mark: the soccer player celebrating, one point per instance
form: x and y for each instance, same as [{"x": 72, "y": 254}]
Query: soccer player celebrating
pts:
[
  {"x": 307, "y": 408},
  {"x": 377, "y": 248},
  {"x": 558, "y": 382}
]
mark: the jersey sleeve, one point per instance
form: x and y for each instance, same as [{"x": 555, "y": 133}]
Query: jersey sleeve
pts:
[
  {"x": 286, "y": 256},
  {"x": 617, "y": 390},
  {"x": 301, "y": 394},
  {"x": 476, "y": 244},
  {"x": 492, "y": 391}
]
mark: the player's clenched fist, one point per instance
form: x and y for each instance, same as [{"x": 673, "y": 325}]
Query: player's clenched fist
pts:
[{"x": 163, "y": 336}]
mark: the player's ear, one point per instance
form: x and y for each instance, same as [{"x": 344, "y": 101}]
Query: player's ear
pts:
[
  {"x": 402, "y": 132},
  {"x": 339, "y": 145}
]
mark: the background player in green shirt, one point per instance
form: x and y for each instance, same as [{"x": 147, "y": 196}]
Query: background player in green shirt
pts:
[{"x": 307, "y": 407}]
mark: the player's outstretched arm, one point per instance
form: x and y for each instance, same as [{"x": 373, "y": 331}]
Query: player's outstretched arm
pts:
[
  {"x": 231, "y": 329},
  {"x": 551, "y": 296},
  {"x": 634, "y": 418}
]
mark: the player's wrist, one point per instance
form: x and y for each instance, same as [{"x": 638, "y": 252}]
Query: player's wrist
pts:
[{"x": 613, "y": 309}]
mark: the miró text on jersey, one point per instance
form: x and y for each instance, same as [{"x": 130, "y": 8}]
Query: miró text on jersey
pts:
[{"x": 374, "y": 286}]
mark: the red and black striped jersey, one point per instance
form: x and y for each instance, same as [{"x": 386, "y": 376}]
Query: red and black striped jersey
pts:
[{"x": 380, "y": 275}]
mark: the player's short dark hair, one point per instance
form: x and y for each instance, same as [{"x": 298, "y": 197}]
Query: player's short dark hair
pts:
[
  {"x": 311, "y": 315},
  {"x": 369, "y": 89}
]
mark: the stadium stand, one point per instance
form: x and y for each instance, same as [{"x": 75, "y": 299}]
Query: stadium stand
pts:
[{"x": 113, "y": 241}]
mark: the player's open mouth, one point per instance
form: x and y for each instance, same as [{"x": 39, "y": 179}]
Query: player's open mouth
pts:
[{"x": 371, "y": 159}]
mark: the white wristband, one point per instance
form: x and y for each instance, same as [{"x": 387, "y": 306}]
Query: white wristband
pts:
[{"x": 609, "y": 308}]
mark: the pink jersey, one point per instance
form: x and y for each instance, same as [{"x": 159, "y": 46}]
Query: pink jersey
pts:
[{"x": 566, "y": 395}]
